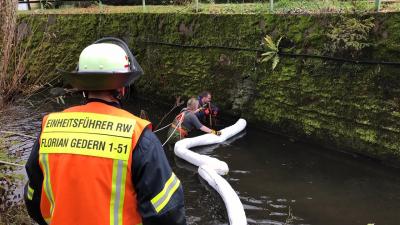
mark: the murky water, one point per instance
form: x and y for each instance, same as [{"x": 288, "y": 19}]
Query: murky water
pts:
[{"x": 278, "y": 181}]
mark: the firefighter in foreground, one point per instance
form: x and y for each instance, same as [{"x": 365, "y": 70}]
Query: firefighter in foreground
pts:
[
  {"x": 186, "y": 121},
  {"x": 97, "y": 164}
]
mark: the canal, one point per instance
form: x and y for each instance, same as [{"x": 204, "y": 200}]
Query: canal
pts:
[{"x": 278, "y": 180}]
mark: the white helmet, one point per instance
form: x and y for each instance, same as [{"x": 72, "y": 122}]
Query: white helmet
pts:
[{"x": 107, "y": 64}]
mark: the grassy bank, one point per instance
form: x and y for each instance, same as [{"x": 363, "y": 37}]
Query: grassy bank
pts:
[{"x": 280, "y": 7}]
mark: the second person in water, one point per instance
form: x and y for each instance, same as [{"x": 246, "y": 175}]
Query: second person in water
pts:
[{"x": 186, "y": 121}]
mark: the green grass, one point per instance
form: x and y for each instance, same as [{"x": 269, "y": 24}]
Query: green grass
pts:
[{"x": 280, "y": 7}]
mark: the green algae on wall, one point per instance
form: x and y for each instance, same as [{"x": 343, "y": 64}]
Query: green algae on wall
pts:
[{"x": 338, "y": 105}]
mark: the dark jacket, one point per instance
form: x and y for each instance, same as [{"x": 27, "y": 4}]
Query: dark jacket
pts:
[{"x": 208, "y": 109}]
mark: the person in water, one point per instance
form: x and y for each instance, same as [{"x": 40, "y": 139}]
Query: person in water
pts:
[
  {"x": 207, "y": 112},
  {"x": 187, "y": 121}
]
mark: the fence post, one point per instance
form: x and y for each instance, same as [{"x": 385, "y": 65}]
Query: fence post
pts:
[
  {"x": 100, "y": 5},
  {"x": 377, "y": 5},
  {"x": 144, "y": 5},
  {"x": 271, "y": 5},
  {"x": 197, "y": 6}
]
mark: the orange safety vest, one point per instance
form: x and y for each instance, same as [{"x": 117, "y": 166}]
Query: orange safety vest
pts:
[
  {"x": 86, "y": 157},
  {"x": 181, "y": 129}
]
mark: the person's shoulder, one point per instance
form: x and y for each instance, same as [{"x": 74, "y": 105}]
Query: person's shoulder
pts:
[
  {"x": 70, "y": 109},
  {"x": 148, "y": 140},
  {"x": 191, "y": 115},
  {"x": 148, "y": 135},
  {"x": 125, "y": 113}
]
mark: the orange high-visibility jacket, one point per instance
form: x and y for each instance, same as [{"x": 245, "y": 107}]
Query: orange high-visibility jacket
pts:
[{"x": 86, "y": 156}]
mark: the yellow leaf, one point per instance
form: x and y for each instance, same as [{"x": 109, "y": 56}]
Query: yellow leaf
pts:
[
  {"x": 270, "y": 44},
  {"x": 275, "y": 62}
]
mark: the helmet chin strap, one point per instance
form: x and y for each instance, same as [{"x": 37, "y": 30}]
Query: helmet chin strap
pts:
[{"x": 118, "y": 96}]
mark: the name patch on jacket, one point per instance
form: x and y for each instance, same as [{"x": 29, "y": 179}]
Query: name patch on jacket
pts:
[{"x": 89, "y": 134}]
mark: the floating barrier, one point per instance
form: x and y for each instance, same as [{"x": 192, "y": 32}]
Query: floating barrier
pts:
[
  {"x": 232, "y": 202},
  {"x": 181, "y": 148},
  {"x": 211, "y": 168}
]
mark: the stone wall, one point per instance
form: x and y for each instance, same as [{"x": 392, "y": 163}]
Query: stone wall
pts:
[{"x": 344, "y": 106}]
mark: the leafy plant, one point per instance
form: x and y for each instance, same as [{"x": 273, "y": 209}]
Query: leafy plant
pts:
[
  {"x": 272, "y": 52},
  {"x": 350, "y": 35}
]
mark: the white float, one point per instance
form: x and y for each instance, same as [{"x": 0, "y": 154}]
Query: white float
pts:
[
  {"x": 181, "y": 148},
  {"x": 232, "y": 202},
  {"x": 211, "y": 168}
]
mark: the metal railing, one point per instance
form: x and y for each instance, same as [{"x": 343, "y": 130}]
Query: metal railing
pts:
[{"x": 43, "y": 4}]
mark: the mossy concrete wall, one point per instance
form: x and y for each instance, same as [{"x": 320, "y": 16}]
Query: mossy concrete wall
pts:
[{"x": 338, "y": 105}]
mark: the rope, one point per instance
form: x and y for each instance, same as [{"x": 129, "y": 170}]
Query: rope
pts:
[
  {"x": 165, "y": 116},
  {"x": 176, "y": 127},
  {"x": 10, "y": 163},
  {"x": 340, "y": 59},
  {"x": 162, "y": 128},
  {"x": 14, "y": 133},
  {"x": 200, "y": 46},
  {"x": 279, "y": 53}
]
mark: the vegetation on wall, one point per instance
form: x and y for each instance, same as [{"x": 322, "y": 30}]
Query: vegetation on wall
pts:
[
  {"x": 337, "y": 104},
  {"x": 272, "y": 51},
  {"x": 349, "y": 36}
]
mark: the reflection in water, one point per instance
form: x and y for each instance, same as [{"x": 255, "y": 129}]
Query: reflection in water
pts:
[
  {"x": 18, "y": 120},
  {"x": 278, "y": 181},
  {"x": 209, "y": 149}
]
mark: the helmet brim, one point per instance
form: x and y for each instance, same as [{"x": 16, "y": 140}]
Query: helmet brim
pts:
[{"x": 96, "y": 81}]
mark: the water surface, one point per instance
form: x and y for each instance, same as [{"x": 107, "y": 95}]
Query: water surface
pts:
[{"x": 277, "y": 180}]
